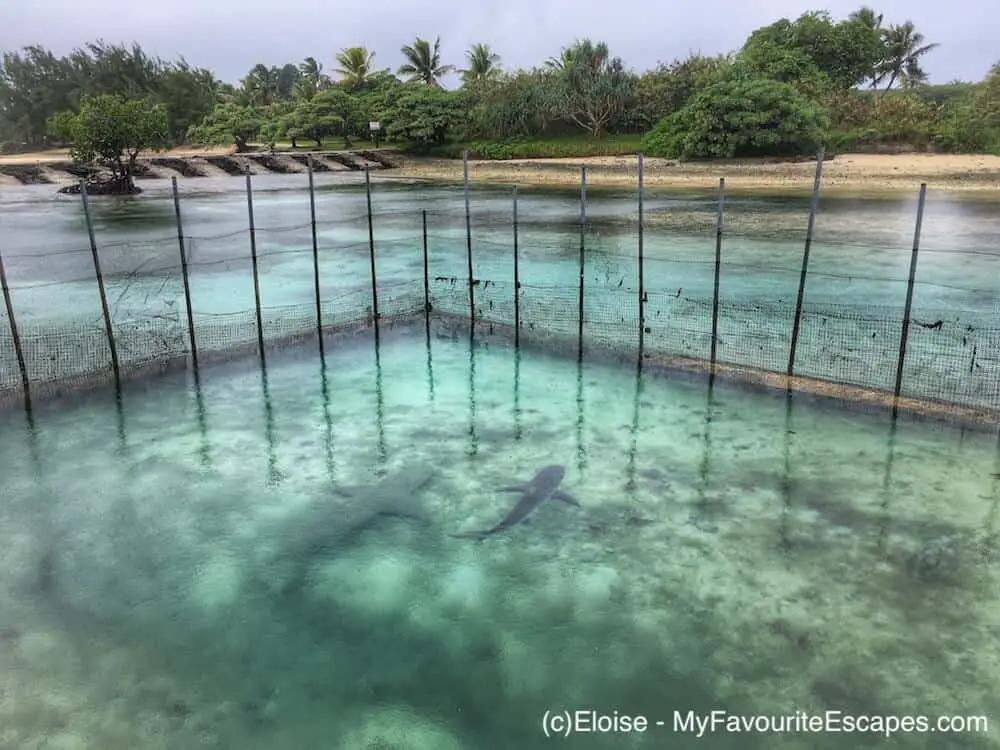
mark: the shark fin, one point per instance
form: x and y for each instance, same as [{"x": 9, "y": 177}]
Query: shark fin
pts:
[{"x": 565, "y": 497}]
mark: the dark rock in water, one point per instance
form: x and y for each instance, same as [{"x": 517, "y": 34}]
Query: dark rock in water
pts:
[
  {"x": 9, "y": 636},
  {"x": 179, "y": 709},
  {"x": 46, "y": 573},
  {"x": 633, "y": 517},
  {"x": 104, "y": 187},
  {"x": 939, "y": 560}
]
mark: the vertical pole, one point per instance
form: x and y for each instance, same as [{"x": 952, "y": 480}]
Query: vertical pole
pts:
[
  {"x": 787, "y": 509},
  {"x": 718, "y": 267},
  {"x": 517, "y": 282},
  {"x": 813, "y": 203},
  {"x": 256, "y": 273},
  {"x": 315, "y": 241},
  {"x": 583, "y": 229},
  {"x": 184, "y": 273},
  {"x": 427, "y": 277},
  {"x": 17, "y": 339},
  {"x": 25, "y": 384},
  {"x": 274, "y": 475},
  {"x": 381, "y": 454},
  {"x": 371, "y": 250},
  {"x": 473, "y": 438},
  {"x": 518, "y": 426},
  {"x": 642, "y": 284},
  {"x": 100, "y": 286},
  {"x": 909, "y": 299},
  {"x": 633, "y": 447},
  {"x": 468, "y": 239}
]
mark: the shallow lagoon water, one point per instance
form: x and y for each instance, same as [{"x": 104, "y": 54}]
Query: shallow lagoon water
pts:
[
  {"x": 852, "y": 313},
  {"x": 731, "y": 553},
  {"x": 859, "y": 258}
]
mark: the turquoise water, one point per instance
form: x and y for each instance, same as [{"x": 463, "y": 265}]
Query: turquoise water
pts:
[
  {"x": 730, "y": 553},
  {"x": 859, "y": 259}
]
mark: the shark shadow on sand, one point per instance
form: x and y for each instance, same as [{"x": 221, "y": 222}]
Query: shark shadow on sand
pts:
[{"x": 327, "y": 525}]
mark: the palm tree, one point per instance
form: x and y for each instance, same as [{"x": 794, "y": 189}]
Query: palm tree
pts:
[
  {"x": 260, "y": 86},
  {"x": 561, "y": 63},
  {"x": 424, "y": 64},
  {"x": 868, "y": 17},
  {"x": 355, "y": 65},
  {"x": 593, "y": 57},
  {"x": 311, "y": 70},
  {"x": 484, "y": 65},
  {"x": 873, "y": 21},
  {"x": 904, "y": 47},
  {"x": 311, "y": 79}
]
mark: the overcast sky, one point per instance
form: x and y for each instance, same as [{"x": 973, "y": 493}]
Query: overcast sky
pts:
[{"x": 230, "y": 36}]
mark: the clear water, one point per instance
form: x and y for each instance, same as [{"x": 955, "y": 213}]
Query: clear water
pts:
[
  {"x": 730, "y": 553},
  {"x": 859, "y": 260}
]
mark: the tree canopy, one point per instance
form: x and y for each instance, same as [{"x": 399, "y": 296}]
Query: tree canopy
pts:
[
  {"x": 111, "y": 130},
  {"x": 795, "y": 84}
]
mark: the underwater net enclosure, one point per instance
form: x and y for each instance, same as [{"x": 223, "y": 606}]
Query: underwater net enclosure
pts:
[{"x": 277, "y": 537}]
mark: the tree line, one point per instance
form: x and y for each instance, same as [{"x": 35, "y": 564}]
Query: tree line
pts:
[{"x": 793, "y": 86}]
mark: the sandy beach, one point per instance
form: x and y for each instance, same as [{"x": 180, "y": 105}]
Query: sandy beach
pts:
[{"x": 973, "y": 176}]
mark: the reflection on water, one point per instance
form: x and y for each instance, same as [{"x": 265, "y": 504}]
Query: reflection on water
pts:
[
  {"x": 209, "y": 562},
  {"x": 860, "y": 253}
]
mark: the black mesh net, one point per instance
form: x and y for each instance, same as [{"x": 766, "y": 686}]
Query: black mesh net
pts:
[{"x": 848, "y": 334}]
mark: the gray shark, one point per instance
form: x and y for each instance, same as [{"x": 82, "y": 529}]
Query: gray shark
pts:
[
  {"x": 328, "y": 524},
  {"x": 544, "y": 485}
]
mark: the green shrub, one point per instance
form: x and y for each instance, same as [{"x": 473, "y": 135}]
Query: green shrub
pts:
[
  {"x": 741, "y": 116},
  {"x": 518, "y": 148}
]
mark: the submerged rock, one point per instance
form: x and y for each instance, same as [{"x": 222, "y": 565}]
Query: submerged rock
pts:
[{"x": 939, "y": 560}]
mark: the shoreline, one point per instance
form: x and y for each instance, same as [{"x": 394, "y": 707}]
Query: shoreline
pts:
[
  {"x": 963, "y": 176},
  {"x": 972, "y": 177}
]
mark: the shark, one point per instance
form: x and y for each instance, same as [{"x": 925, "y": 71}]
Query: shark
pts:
[
  {"x": 328, "y": 524},
  {"x": 543, "y": 486}
]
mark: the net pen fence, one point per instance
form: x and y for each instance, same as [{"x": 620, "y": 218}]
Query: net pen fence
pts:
[{"x": 701, "y": 282}]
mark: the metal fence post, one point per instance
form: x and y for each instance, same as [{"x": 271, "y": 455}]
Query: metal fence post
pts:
[
  {"x": 427, "y": 276},
  {"x": 25, "y": 384},
  {"x": 805, "y": 263},
  {"x": 642, "y": 282},
  {"x": 718, "y": 267},
  {"x": 185, "y": 273},
  {"x": 468, "y": 239},
  {"x": 100, "y": 286},
  {"x": 517, "y": 282},
  {"x": 583, "y": 230},
  {"x": 371, "y": 250},
  {"x": 909, "y": 299},
  {"x": 256, "y": 272},
  {"x": 315, "y": 247}
]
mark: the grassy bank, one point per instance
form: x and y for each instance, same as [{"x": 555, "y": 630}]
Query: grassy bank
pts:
[{"x": 570, "y": 147}]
